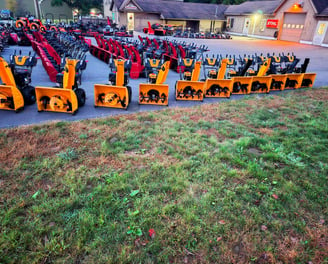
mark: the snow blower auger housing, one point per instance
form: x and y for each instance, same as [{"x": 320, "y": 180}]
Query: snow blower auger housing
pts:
[
  {"x": 294, "y": 80},
  {"x": 308, "y": 80},
  {"x": 156, "y": 92},
  {"x": 189, "y": 88},
  {"x": 260, "y": 82},
  {"x": 11, "y": 97},
  {"x": 218, "y": 86},
  {"x": 117, "y": 94},
  {"x": 278, "y": 82},
  {"x": 66, "y": 99},
  {"x": 241, "y": 85},
  {"x": 300, "y": 78}
]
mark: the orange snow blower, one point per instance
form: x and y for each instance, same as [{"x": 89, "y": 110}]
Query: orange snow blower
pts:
[
  {"x": 188, "y": 87},
  {"x": 117, "y": 94},
  {"x": 66, "y": 99},
  {"x": 155, "y": 91}
]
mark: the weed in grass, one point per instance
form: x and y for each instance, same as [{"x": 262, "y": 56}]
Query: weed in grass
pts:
[
  {"x": 61, "y": 124},
  {"x": 40, "y": 130},
  {"x": 83, "y": 136},
  {"x": 68, "y": 155}
]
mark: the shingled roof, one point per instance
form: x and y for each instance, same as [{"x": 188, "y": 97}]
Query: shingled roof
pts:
[
  {"x": 267, "y": 7},
  {"x": 189, "y": 11},
  {"x": 118, "y": 3},
  {"x": 321, "y": 6},
  {"x": 182, "y": 10}
]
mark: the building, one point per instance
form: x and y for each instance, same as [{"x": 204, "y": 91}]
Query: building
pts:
[
  {"x": 136, "y": 14},
  {"x": 250, "y": 19},
  {"x": 303, "y": 21}
]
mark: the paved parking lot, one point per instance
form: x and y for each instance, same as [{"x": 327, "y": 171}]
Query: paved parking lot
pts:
[{"x": 97, "y": 72}]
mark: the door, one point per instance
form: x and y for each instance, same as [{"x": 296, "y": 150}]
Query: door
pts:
[
  {"x": 320, "y": 32},
  {"x": 293, "y": 26},
  {"x": 246, "y": 26},
  {"x": 130, "y": 21},
  {"x": 193, "y": 25}
]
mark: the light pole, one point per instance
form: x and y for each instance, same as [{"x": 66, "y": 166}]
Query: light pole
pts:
[
  {"x": 37, "y": 9},
  {"x": 40, "y": 9},
  {"x": 256, "y": 16}
]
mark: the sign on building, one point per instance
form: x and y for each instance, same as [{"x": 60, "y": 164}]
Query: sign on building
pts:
[{"x": 272, "y": 23}]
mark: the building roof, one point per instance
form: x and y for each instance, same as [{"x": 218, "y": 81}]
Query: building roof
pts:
[
  {"x": 324, "y": 12},
  {"x": 118, "y": 3},
  {"x": 179, "y": 10},
  {"x": 321, "y": 6},
  {"x": 188, "y": 11},
  {"x": 250, "y": 7}
]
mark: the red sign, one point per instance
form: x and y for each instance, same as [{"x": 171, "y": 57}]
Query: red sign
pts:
[{"x": 272, "y": 23}]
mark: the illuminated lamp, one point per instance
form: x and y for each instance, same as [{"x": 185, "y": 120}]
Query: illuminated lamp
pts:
[{"x": 299, "y": 5}]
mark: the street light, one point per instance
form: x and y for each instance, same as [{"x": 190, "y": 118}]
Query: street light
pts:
[
  {"x": 256, "y": 16},
  {"x": 37, "y": 9},
  {"x": 39, "y": 3}
]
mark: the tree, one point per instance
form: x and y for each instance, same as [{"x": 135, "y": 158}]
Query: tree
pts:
[
  {"x": 83, "y": 6},
  {"x": 11, "y": 5}
]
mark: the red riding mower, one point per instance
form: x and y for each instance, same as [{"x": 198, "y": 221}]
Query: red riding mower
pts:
[
  {"x": 66, "y": 99},
  {"x": 188, "y": 87},
  {"x": 117, "y": 94},
  {"x": 155, "y": 92},
  {"x": 11, "y": 97}
]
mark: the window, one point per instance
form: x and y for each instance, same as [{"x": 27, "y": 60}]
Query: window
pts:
[
  {"x": 232, "y": 20},
  {"x": 321, "y": 29}
]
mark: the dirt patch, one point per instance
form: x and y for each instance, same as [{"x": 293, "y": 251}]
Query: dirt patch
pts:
[
  {"x": 319, "y": 95},
  {"x": 255, "y": 151},
  {"x": 266, "y": 131},
  {"x": 238, "y": 120}
]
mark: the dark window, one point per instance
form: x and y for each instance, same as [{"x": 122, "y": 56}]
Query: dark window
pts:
[{"x": 232, "y": 20}]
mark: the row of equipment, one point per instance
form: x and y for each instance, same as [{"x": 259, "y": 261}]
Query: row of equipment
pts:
[{"x": 220, "y": 81}]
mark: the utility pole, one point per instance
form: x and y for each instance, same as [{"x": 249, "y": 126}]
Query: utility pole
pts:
[{"x": 37, "y": 9}]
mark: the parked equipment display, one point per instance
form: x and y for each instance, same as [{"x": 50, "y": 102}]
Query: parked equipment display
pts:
[
  {"x": 117, "y": 94},
  {"x": 155, "y": 92},
  {"x": 188, "y": 87},
  {"x": 260, "y": 82},
  {"x": 21, "y": 68},
  {"x": 216, "y": 85},
  {"x": 66, "y": 99},
  {"x": 11, "y": 98}
]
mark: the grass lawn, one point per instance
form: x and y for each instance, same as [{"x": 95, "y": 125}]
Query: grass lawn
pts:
[{"x": 242, "y": 181}]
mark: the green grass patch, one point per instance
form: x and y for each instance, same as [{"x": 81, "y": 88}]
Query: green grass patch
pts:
[{"x": 235, "y": 182}]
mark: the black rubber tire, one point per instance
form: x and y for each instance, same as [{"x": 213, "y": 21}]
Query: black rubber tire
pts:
[
  {"x": 19, "y": 110},
  {"x": 29, "y": 96},
  {"x": 129, "y": 93},
  {"x": 81, "y": 97}
]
